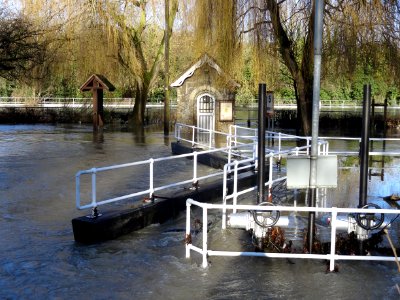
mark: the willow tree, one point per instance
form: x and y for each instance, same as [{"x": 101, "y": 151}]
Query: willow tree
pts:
[
  {"x": 261, "y": 23},
  {"x": 20, "y": 47},
  {"x": 139, "y": 42},
  {"x": 215, "y": 32},
  {"x": 78, "y": 46},
  {"x": 287, "y": 26},
  {"x": 362, "y": 45}
]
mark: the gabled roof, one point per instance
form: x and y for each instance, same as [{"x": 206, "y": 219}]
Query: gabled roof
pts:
[
  {"x": 97, "y": 81},
  {"x": 204, "y": 59}
]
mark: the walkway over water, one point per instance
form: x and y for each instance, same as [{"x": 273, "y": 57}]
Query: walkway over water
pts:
[{"x": 239, "y": 148}]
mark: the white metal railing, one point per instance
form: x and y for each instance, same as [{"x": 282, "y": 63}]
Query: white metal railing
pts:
[
  {"x": 74, "y": 102},
  {"x": 129, "y": 102},
  {"x": 151, "y": 188},
  {"x": 233, "y": 149},
  {"x": 243, "y": 164},
  {"x": 332, "y": 256},
  {"x": 371, "y": 153},
  {"x": 238, "y": 135},
  {"x": 281, "y": 103}
]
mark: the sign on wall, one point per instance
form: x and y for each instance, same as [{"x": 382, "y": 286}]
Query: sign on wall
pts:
[{"x": 225, "y": 111}]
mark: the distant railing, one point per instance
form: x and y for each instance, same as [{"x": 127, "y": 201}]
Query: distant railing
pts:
[
  {"x": 59, "y": 102},
  {"x": 325, "y": 103}
]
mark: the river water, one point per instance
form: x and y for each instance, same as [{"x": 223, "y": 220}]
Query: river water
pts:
[{"x": 40, "y": 260}]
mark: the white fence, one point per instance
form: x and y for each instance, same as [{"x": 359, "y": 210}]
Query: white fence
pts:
[
  {"x": 151, "y": 165},
  {"x": 129, "y": 102},
  {"x": 59, "y": 102},
  {"x": 332, "y": 256}
]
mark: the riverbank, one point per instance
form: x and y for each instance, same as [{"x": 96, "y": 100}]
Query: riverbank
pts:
[
  {"x": 68, "y": 115},
  {"x": 343, "y": 122}
]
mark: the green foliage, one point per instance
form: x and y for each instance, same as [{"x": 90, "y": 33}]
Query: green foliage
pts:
[
  {"x": 286, "y": 93},
  {"x": 350, "y": 57},
  {"x": 6, "y": 88},
  {"x": 245, "y": 95},
  {"x": 157, "y": 94},
  {"x": 63, "y": 87}
]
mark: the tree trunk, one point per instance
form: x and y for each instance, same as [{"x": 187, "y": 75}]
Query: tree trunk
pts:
[
  {"x": 303, "y": 74},
  {"x": 303, "y": 89},
  {"x": 138, "y": 114}
]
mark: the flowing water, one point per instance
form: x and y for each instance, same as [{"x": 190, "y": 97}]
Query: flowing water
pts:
[{"x": 40, "y": 260}]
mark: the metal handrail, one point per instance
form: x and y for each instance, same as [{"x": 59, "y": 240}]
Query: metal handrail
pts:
[
  {"x": 151, "y": 188},
  {"x": 332, "y": 256},
  {"x": 234, "y": 148}
]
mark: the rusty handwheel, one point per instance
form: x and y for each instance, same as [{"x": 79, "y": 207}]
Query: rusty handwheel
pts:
[
  {"x": 370, "y": 221},
  {"x": 266, "y": 218}
]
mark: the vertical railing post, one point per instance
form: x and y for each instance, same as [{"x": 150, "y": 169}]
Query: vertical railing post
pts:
[
  {"x": 193, "y": 129},
  {"x": 333, "y": 239},
  {"x": 151, "y": 183},
  {"x": 235, "y": 184},
  {"x": 205, "y": 222},
  {"x": 93, "y": 187},
  {"x": 77, "y": 190},
  {"x": 195, "y": 167},
  {"x": 177, "y": 132},
  {"x": 235, "y": 134},
  {"x": 255, "y": 155},
  {"x": 224, "y": 194},
  {"x": 229, "y": 139},
  {"x": 271, "y": 162},
  {"x": 279, "y": 145},
  {"x": 188, "y": 240}
]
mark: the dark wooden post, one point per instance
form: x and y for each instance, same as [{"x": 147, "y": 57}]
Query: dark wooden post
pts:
[
  {"x": 97, "y": 84},
  {"x": 98, "y": 110}
]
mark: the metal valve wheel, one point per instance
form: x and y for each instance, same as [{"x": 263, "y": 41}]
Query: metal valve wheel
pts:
[
  {"x": 266, "y": 218},
  {"x": 370, "y": 221}
]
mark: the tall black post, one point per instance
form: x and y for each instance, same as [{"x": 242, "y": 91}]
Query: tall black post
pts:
[
  {"x": 262, "y": 109},
  {"x": 364, "y": 147}
]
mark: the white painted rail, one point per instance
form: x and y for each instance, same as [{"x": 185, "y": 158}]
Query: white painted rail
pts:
[{"x": 332, "y": 256}]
